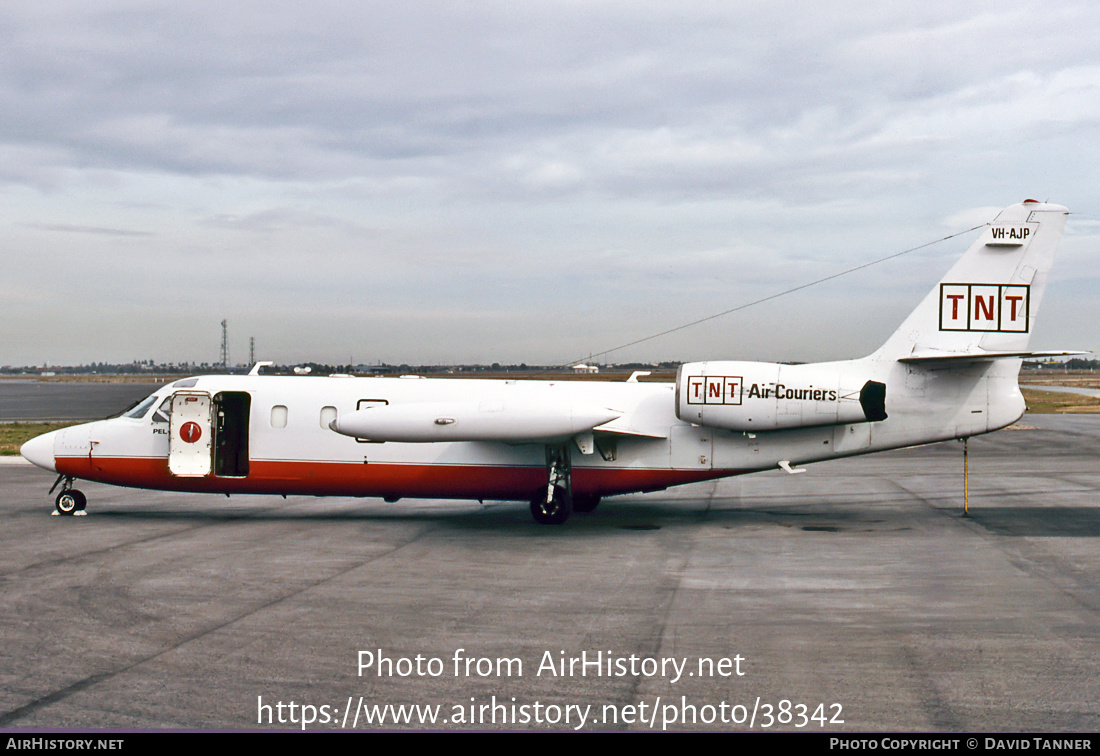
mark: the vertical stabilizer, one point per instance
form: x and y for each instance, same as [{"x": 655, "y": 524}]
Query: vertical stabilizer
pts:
[{"x": 987, "y": 302}]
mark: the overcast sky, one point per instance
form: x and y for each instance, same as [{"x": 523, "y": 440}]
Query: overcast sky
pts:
[{"x": 436, "y": 182}]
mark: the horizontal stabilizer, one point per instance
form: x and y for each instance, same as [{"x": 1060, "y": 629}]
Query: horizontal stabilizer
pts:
[{"x": 977, "y": 356}]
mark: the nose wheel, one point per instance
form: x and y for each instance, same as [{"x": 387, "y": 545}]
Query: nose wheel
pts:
[{"x": 69, "y": 501}]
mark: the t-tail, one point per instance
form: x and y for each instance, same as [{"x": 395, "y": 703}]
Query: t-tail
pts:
[
  {"x": 953, "y": 366},
  {"x": 985, "y": 306},
  {"x": 949, "y": 371}
]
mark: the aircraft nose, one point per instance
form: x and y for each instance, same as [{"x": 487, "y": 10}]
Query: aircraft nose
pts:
[{"x": 39, "y": 451}]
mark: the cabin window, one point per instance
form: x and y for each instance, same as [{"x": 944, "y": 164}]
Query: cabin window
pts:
[
  {"x": 278, "y": 416},
  {"x": 328, "y": 414}
]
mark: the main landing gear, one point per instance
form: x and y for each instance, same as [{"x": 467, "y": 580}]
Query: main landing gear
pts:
[
  {"x": 69, "y": 501},
  {"x": 554, "y": 505},
  {"x": 585, "y": 503}
]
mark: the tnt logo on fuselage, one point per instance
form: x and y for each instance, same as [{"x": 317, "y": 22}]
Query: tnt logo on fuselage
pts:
[
  {"x": 984, "y": 307},
  {"x": 714, "y": 389}
]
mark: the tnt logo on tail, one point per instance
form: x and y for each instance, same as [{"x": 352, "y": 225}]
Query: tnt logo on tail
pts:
[{"x": 984, "y": 307}]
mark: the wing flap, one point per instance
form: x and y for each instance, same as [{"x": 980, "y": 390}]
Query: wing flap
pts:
[{"x": 612, "y": 429}]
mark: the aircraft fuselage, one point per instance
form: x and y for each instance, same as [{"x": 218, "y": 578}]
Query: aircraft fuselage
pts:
[{"x": 273, "y": 435}]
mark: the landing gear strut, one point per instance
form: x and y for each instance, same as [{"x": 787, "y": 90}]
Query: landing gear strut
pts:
[
  {"x": 69, "y": 501},
  {"x": 554, "y": 505}
]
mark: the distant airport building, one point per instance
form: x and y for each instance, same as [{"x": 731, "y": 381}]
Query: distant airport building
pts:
[{"x": 582, "y": 368}]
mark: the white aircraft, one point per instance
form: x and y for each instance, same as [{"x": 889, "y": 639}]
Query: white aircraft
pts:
[{"x": 950, "y": 371}]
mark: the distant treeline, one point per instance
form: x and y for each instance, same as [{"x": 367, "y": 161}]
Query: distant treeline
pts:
[
  {"x": 1076, "y": 363},
  {"x": 148, "y": 367},
  {"x": 105, "y": 368}
]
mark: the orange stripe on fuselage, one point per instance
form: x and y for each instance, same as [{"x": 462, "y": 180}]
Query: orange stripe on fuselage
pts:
[{"x": 377, "y": 479}]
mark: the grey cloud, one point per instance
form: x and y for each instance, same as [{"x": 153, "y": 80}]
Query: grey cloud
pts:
[
  {"x": 98, "y": 230},
  {"x": 384, "y": 159}
]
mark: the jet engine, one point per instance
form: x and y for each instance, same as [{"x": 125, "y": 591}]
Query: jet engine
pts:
[{"x": 761, "y": 396}]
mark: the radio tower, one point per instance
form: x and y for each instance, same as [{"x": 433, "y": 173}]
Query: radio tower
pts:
[{"x": 225, "y": 346}]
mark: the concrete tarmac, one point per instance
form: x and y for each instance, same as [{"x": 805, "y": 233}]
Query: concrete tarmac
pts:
[{"x": 856, "y": 590}]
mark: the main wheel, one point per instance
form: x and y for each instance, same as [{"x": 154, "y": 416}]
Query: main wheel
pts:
[
  {"x": 554, "y": 512},
  {"x": 70, "y": 502},
  {"x": 586, "y": 503}
]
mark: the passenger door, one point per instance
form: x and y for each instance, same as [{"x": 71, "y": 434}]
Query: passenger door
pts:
[{"x": 190, "y": 435}]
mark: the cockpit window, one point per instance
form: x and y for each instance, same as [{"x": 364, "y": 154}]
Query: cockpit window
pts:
[
  {"x": 164, "y": 411},
  {"x": 141, "y": 409}
]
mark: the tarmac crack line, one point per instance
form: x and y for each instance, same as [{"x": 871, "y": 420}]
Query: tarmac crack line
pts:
[{"x": 668, "y": 593}]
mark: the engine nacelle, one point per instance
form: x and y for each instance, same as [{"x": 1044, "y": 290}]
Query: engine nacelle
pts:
[{"x": 761, "y": 396}]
